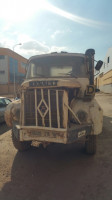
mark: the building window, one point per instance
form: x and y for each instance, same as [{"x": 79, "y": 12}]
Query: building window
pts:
[
  {"x": 104, "y": 65},
  {"x": 24, "y": 65},
  {"x": 2, "y": 72},
  {"x": 108, "y": 59},
  {"x": 2, "y": 57}
]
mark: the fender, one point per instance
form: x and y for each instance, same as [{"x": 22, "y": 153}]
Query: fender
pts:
[{"x": 12, "y": 112}]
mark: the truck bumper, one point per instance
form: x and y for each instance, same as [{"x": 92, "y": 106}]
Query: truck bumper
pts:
[{"x": 41, "y": 134}]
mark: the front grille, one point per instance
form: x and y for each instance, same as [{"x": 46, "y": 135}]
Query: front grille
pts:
[{"x": 45, "y": 107}]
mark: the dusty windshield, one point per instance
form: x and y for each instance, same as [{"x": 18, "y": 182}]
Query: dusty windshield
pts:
[{"x": 57, "y": 66}]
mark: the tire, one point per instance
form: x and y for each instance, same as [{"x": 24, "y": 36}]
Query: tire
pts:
[
  {"x": 20, "y": 146},
  {"x": 90, "y": 144}
]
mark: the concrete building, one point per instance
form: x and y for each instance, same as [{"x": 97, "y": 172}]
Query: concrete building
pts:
[
  {"x": 12, "y": 67},
  {"x": 103, "y": 80}
]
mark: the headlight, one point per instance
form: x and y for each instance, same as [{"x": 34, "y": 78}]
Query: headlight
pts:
[{"x": 82, "y": 116}]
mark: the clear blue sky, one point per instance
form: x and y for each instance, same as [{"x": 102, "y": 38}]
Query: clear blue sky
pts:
[{"x": 44, "y": 26}]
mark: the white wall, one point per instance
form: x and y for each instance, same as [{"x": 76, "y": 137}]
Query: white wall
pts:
[
  {"x": 107, "y": 66},
  {"x": 4, "y": 67},
  {"x": 106, "y": 88}
]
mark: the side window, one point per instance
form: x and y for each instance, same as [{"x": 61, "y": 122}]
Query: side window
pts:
[
  {"x": 2, "y": 57},
  {"x": 2, "y": 71},
  {"x": 7, "y": 101},
  {"x": 2, "y": 102}
]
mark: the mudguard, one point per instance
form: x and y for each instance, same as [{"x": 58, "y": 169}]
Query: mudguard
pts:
[{"x": 12, "y": 112}]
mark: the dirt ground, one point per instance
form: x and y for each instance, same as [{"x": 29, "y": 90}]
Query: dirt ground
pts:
[{"x": 62, "y": 172}]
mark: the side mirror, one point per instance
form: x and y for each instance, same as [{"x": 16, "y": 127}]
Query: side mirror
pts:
[{"x": 99, "y": 65}]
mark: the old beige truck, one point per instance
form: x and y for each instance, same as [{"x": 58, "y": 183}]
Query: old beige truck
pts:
[{"x": 57, "y": 102}]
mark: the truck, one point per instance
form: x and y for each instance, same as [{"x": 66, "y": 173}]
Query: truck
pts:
[{"x": 57, "y": 103}]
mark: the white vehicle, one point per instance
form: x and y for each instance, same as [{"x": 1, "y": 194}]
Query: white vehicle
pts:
[
  {"x": 57, "y": 102},
  {"x": 3, "y": 103}
]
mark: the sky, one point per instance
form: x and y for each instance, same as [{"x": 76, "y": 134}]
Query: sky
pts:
[{"x": 44, "y": 26}]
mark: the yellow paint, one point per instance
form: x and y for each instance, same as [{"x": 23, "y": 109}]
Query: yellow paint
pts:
[{"x": 104, "y": 79}]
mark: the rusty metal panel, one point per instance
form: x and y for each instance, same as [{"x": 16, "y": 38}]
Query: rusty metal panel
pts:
[{"x": 43, "y": 134}]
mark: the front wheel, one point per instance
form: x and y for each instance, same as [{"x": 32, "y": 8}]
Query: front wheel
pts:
[
  {"x": 90, "y": 144},
  {"x": 20, "y": 146}
]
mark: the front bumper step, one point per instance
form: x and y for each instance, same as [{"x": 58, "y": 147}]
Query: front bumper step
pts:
[{"x": 46, "y": 134}]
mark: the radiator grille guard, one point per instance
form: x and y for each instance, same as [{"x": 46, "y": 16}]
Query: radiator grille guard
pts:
[{"x": 45, "y": 108}]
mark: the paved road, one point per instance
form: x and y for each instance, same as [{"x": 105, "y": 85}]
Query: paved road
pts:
[{"x": 60, "y": 172}]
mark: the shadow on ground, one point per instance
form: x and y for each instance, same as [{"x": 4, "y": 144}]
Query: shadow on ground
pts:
[
  {"x": 62, "y": 172},
  {"x": 50, "y": 174},
  {"x": 3, "y": 128},
  {"x": 107, "y": 124}
]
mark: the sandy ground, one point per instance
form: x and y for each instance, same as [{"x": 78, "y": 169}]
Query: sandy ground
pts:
[{"x": 62, "y": 172}]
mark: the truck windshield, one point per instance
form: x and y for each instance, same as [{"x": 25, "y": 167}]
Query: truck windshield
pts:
[{"x": 57, "y": 66}]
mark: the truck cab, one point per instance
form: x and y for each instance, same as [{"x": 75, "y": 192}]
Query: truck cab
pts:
[{"x": 57, "y": 102}]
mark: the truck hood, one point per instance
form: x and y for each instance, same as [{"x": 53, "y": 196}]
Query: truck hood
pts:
[{"x": 55, "y": 82}]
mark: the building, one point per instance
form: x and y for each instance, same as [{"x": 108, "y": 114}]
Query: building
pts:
[
  {"x": 103, "y": 80},
  {"x": 12, "y": 70}
]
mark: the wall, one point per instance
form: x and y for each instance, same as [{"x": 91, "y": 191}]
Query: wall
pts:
[
  {"x": 4, "y": 89},
  {"x": 8, "y": 89},
  {"x": 3, "y": 69},
  {"x": 17, "y": 67},
  {"x": 9, "y": 62},
  {"x": 13, "y": 69},
  {"x": 103, "y": 81}
]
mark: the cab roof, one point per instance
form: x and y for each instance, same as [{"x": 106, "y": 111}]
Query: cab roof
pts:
[{"x": 55, "y": 54}]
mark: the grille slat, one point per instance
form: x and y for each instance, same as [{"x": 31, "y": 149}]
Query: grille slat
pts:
[{"x": 44, "y": 107}]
